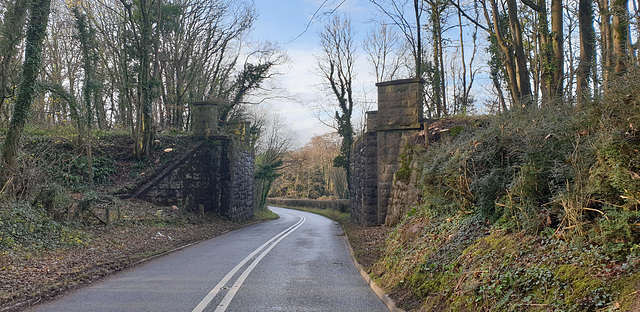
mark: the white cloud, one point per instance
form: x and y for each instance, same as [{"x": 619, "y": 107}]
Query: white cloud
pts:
[{"x": 304, "y": 87}]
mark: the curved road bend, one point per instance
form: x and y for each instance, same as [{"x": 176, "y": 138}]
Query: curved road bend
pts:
[{"x": 299, "y": 262}]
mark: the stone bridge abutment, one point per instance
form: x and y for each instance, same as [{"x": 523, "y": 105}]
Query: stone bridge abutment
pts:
[
  {"x": 216, "y": 175},
  {"x": 375, "y": 157}
]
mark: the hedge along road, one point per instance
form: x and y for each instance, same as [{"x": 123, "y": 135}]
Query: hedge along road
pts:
[{"x": 299, "y": 262}]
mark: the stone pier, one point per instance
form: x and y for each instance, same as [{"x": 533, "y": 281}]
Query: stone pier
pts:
[
  {"x": 399, "y": 114},
  {"x": 205, "y": 118}
]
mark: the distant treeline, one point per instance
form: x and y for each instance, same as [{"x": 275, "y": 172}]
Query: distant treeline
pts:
[{"x": 341, "y": 205}]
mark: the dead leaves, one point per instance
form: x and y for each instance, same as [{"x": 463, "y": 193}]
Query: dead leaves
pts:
[{"x": 27, "y": 275}]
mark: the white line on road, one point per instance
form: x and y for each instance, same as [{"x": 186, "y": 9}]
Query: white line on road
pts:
[{"x": 234, "y": 289}]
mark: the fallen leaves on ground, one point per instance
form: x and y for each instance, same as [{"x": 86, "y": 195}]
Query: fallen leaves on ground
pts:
[{"x": 32, "y": 277}]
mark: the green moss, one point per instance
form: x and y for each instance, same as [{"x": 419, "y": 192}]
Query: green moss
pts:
[
  {"x": 426, "y": 284},
  {"x": 496, "y": 246},
  {"x": 404, "y": 173},
  {"x": 454, "y": 131},
  {"x": 627, "y": 289},
  {"x": 578, "y": 288}
]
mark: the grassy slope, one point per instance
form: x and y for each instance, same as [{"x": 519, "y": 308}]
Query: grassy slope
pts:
[
  {"x": 531, "y": 211},
  {"x": 465, "y": 265}
]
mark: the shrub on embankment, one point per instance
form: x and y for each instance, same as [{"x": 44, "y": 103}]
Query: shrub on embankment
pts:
[
  {"x": 527, "y": 211},
  {"x": 341, "y": 205}
]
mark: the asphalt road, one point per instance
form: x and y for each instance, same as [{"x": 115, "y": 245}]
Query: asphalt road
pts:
[{"x": 299, "y": 262}]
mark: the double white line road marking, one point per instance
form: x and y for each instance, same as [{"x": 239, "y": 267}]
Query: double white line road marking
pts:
[{"x": 236, "y": 286}]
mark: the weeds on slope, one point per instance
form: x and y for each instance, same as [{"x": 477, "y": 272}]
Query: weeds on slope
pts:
[{"x": 526, "y": 211}]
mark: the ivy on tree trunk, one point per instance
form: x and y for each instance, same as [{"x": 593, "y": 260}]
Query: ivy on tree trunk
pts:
[{"x": 36, "y": 31}]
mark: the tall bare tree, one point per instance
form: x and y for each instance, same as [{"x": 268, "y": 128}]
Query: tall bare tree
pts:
[
  {"x": 141, "y": 20},
  {"x": 606, "y": 41},
  {"x": 409, "y": 23},
  {"x": 199, "y": 51},
  {"x": 90, "y": 94},
  {"x": 381, "y": 47},
  {"x": 436, "y": 74},
  {"x": 274, "y": 140},
  {"x": 61, "y": 61},
  {"x": 466, "y": 86},
  {"x": 550, "y": 60},
  {"x": 513, "y": 56},
  {"x": 557, "y": 39},
  {"x": 587, "y": 52},
  {"x": 335, "y": 64}
]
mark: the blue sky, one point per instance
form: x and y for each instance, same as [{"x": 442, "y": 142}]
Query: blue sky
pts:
[{"x": 283, "y": 20}]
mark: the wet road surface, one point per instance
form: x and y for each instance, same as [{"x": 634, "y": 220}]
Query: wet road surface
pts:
[{"x": 299, "y": 262}]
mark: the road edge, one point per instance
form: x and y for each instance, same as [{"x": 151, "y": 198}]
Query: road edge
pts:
[
  {"x": 391, "y": 305},
  {"x": 25, "y": 304},
  {"x": 31, "y": 302}
]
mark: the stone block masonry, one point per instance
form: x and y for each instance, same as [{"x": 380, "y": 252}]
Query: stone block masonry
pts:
[
  {"x": 364, "y": 191},
  {"x": 216, "y": 176},
  {"x": 242, "y": 184},
  {"x": 399, "y": 105},
  {"x": 375, "y": 159}
]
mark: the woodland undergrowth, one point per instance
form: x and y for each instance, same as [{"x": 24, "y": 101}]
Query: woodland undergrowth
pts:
[{"x": 52, "y": 201}]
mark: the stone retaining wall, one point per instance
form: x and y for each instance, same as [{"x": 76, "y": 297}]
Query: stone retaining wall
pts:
[{"x": 217, "y": 176}]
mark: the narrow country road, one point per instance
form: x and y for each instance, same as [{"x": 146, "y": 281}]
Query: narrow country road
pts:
[{"x": 299, "y": 262}]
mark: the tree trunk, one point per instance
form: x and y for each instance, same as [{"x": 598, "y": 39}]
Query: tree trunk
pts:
[
  {"x": 464, "y": 64},
  {"x": 556, "y": 87},
  {"x": 85, "y": 37},
  {"x": 438, "y": 92},
  {"x": 607, "y": 43},
  {"x": 143, "y": 131},
  {"x": 545, "y": 55},
  {"x": 587, "y": 52},
  {"x": 443, "y": 81},
  {"x": 36, "y": 31},
  {"x": 416, "y": 7},
  {"x": 524, "y": 84},
  {"x": 11, "y": 33},
  {"x": 509, "y": 62},
  {"x": 620, "y": 33},
  {"x": 570, "y": 80}
]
